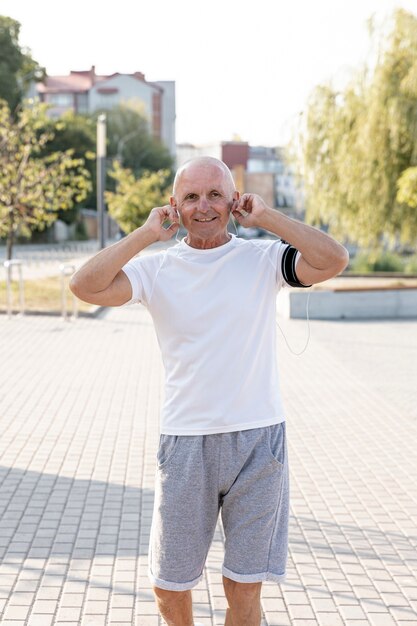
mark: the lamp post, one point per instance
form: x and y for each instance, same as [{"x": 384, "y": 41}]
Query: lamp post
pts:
[
  {"x": 101, "y": 177},
  {"x": 121, "y": 144}
]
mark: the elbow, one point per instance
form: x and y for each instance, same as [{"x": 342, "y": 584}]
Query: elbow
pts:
[{"x": 342, "y": 259}]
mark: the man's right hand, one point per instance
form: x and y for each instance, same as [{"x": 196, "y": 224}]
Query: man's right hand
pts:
[
  {"x": 159, "y": 216},
  {"x": 101, "y": 280}
]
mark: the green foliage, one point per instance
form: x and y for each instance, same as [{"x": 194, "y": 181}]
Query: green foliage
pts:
[
  {"x": 76, "y": 133},
  {"x": 407, "y": 187},
  {"x": 134, "y": 198},
  {"x": 410, "y": 266},
  {"x": 128, "y": 138},
  {"x": 130, "y": 141},
  {"x": 357, "y": 143},
  {"x": 33, "y": 188},
  {"x": 365, "y": 263},
  {"x": 80, "y": 231},
  {"x": 17, "y": 68}
]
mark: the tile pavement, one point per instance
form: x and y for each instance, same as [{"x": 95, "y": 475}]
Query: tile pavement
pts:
[{"x": 79, "y": 408}]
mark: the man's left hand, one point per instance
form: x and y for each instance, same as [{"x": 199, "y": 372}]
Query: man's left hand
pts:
[{"x": 249, "y": 210}]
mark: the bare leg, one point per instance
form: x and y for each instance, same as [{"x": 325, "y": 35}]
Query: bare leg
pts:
[
  {"x": 175, "y": 606},
  {"x": 244, "y": 601}
]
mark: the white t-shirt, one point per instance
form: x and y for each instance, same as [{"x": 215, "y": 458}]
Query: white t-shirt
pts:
[{"x": 214, "y": 316}]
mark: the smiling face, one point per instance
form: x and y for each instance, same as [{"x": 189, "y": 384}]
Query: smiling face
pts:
[{"x": 203, "y": 196}]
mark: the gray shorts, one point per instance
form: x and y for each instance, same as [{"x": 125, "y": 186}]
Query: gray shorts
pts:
[{"x": 242, "y": 474}]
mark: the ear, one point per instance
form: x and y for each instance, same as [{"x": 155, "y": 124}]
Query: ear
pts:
[
  {"x": 236, "y": 195},
  {"x": 172, "y": 202}
]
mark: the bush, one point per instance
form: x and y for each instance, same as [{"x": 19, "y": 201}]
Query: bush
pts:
[
  {"x": 388, "y": 262},
  {"x": 80, "y": 231},
  {"x": 411, "y": 265},
  {"x": 365, "y": 263}
]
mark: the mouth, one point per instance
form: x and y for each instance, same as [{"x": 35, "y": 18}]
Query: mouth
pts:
[{"x": 204, "y": 220}]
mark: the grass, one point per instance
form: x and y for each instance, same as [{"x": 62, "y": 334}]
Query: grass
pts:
[{"x": 41, "y": 294}]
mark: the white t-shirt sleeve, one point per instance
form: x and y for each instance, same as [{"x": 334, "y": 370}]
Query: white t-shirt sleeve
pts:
[
  {"x": 284, "y": 258},
  {"x": 274, "y": 251},
  {"x": 141, "y": 272}
]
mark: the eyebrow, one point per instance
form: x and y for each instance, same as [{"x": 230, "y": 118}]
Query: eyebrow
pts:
[{"x": 187, "y": 193}]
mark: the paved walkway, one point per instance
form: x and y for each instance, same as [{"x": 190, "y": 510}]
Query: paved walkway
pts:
[{"x": 79, "y": 406}]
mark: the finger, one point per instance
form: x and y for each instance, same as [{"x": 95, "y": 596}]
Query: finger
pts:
[
  {"x": 170, "y": 231},
  {"x": 247, "y": 202},
  {"x": 240, "y": 211},
  {"x": 172, "y": 213},
  {"x": 168, "y": 215},
  {"x": 245, "y": 205}
]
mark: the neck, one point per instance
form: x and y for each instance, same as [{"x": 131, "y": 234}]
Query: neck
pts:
[{"x": 205, "y": 244}]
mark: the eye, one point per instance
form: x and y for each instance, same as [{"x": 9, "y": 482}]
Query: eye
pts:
[
  {"x": 215, "y": 194},
  {"x": 191, "y": 196}
]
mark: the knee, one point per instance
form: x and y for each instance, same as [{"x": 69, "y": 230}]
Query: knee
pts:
[
  {"x": 241, "y": 593},
  {"x": 169, "y": 598}
]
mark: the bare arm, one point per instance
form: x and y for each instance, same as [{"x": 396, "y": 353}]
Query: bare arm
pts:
[
  {"x": 101, "y": 280},
  {"x": 322, "y": 257}
]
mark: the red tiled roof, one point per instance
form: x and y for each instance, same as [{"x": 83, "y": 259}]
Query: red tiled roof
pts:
[
  {"x": 78, "y": 81},
  {"x": 75, "y": 82}
]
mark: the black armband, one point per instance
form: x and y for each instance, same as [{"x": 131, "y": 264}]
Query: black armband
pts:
[{"x": 288, "y": 267}]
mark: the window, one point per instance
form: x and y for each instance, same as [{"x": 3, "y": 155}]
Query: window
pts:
[{"x": 61, "y": 99}]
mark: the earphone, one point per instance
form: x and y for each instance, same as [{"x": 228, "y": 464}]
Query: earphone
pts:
[
  {"x": 276, "y": 318},
  {"x": 308, "y": 330}
]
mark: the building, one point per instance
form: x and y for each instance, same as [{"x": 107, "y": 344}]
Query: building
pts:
[
  {"x": 268, "y": 167},
  {"x": 85, "y": 92},
  {"x": 256, "y": 169}
]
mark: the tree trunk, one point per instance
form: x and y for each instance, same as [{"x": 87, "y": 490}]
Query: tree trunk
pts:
[{"x": 10, "y": 242}]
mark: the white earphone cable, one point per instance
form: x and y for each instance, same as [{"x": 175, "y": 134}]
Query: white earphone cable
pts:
[{"x": 308, "y": 330}]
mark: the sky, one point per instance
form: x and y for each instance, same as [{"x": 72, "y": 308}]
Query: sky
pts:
[{"x": 242, "y": 69}]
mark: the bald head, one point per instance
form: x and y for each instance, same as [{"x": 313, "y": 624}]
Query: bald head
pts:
[{"x": 203, "y": 163}]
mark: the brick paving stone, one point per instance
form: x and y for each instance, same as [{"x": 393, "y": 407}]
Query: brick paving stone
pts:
[
  {"x": 40, "y": 620},
  {"x": 78, "y": 436},
  {"x": 325, "y": 605},
  {"x": 333, "y": 619},
  {"x": 275, "y": 618},
  {"x": 300, "y": 611},
  {"x": 66, "y": 614},
  {"x": 146, "y": 620},
  {"x": 403, "y": 613},
  {"x": 381, "y": 619},
  {"x": 16, "y": 612}
]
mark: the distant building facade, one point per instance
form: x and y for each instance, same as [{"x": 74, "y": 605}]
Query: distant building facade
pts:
[
  {"x": 86, "y": 92},
  {"x": 288, "y": 195},
  {"x": 256, "y": 169}
]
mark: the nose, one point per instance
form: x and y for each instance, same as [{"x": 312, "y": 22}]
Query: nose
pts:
[{"x": 203, "y": 204}]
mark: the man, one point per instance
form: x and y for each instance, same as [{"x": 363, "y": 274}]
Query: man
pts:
[{"x": 222, "y": 444}]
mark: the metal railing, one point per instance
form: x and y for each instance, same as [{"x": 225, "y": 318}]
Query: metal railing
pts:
[
  {"x": 66, "y": 270},
  {"x": 8, "y": 265}
]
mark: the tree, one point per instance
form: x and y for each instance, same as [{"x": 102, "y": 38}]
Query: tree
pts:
[
  {"x": 357, "y": 143},
  {"x": 130, "y": 141},
  {"x": 134, "y": 198},
  {"x": 33, "y": 188},
  {"x": 407, "y": 187},
  {"x": 17, "y": 67},
  {"x": 77, "y": 133}
]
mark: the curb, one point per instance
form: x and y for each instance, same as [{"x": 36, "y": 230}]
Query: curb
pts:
[{"x": 94, "y": 313}]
